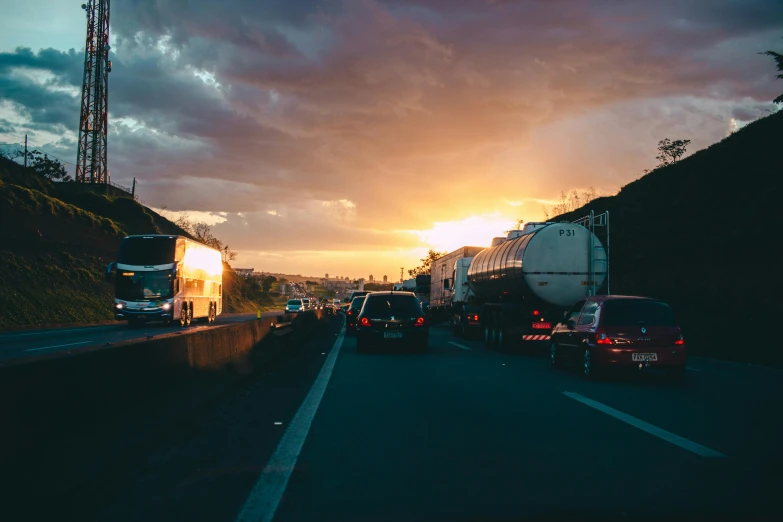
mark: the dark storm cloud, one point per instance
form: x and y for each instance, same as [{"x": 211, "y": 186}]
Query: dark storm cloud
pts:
[{"x": 357, "y": 100}]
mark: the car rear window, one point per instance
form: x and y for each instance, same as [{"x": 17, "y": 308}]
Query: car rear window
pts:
[
  {"x": 628, "y": 312},
  {"x": 357, "y": 302},
  {"x": 293, "y": 302},
  {"x": 385, "y": 306}
]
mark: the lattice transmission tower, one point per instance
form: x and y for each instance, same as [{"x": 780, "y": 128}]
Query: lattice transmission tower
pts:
[{"x": 91, "y": 158}]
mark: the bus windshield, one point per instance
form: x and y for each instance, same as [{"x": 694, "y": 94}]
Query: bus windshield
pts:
[
  {"x": 147, "y": 251},
  {"x": 142, "y": 286}
]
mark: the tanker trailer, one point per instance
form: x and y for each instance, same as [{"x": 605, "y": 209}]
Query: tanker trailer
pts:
[{"x": 525, "y": 283}]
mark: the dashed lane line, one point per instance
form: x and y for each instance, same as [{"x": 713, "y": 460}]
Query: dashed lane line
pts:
[{"x": 668, "y": 436}]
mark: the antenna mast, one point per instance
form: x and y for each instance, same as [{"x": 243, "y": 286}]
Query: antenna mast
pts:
[{"x": 91, "y": 158}]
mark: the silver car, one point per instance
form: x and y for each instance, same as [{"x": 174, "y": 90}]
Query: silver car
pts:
[{"x": 294, "y": 305}]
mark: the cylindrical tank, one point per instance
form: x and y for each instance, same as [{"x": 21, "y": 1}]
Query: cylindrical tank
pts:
[{"x": 550, "y": 263}]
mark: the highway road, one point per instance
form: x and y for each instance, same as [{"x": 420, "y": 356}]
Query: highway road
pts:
[
  {"x": 461, "y": 433},
  {"x": 30, "y": 343}
]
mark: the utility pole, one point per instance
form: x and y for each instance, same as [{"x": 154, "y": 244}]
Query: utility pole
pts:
[
  {"x": 402, "y": 269},
  {"x": 25, "y": 150},
  {"x": 91, "y": 157},
  {"x": 133, "y": 188}
]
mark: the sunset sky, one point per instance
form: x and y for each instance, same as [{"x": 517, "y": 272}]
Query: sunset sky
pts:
[{"x": 349, "y": 136}]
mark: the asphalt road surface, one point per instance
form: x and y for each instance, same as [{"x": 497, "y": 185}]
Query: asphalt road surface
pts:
[
  {"x": 30, "y": 343},
  {"x": 463, "y": 433}
]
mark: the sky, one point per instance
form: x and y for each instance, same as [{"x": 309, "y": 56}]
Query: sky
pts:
[{"x": 348, "y": 137}]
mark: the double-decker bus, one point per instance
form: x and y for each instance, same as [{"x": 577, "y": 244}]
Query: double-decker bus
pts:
[{"x": 167, "y": 278}]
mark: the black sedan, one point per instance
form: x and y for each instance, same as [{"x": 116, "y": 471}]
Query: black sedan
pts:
[{"x": 392, "y": 319}]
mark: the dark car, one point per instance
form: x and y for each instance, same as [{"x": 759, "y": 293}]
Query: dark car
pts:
[
  {"x": 352, "y": 312},
  {"x": 391, "y": 319},
  {"x": 619, "y": 331}
]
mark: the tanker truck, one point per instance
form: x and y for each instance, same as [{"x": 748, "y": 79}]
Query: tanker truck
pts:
[{"x": 524, "y": 283}]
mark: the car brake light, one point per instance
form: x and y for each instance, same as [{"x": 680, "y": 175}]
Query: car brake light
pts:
[
  {"x": 680, "y": 340},
  {"x": 419, "y": 321},
  {"x": 350, "y": 312},
  {"x": 475, "y": 317},
  {"x": 602, "y": 338},
  {"x": 365, "y": 321},
  {"x": 535, "y": 312}
]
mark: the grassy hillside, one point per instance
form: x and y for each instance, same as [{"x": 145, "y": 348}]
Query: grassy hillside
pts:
[
  {"x": 701, "y": 235},
  {"x": 55, "y": 243}
]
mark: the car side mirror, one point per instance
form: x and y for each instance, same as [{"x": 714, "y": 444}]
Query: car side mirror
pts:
[
  {"x": 108, "y": 271},
  {"x": 570, "y": 324}
]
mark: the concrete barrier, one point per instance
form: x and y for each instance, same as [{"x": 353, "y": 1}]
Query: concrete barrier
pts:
[{"x": 40, "y": 398}]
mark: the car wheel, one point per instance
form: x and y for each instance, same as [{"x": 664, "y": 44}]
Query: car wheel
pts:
[
  {"x": 554, "y": 357},
  {"x": 588, "y": 365},
  {"x": 183, "y": 315},
  {"x": 189, "y": 315}
]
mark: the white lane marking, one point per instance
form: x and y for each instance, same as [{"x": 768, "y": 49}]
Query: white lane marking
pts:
[
  {"x": 682, "y": 442},
  {"x": 692, "y": 369},
  {"x": 460, "y": 345},
  {"x": 265, "y": 496},
  {"x": 55, "y": 346}
]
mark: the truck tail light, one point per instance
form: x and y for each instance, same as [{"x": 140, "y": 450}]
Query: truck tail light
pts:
[{"x": 601, "y": 337}]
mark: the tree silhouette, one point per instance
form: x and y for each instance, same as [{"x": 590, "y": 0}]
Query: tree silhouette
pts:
[
  {"x": 48, "y": 167},
  {"x": 779, "y": 62},
  {"x": 670, "y": 151},
  {"x": 426, "y": 263}
]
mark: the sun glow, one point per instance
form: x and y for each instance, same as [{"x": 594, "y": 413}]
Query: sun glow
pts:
[{"x": 446, "y": 236}]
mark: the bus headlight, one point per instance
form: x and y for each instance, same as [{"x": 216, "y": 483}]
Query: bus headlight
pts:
[{"x": 166, "y": 306}]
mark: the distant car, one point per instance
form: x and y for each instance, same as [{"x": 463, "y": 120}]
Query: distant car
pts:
[
  {"x": 356, "y": 293},
  {"x": 620, "y": 331},
  {"x": 306, "y": 303},
  {"x": 352, "y": 312},
  {"x": 391, "y": 319},
  {"x": 294, "y": 305}
]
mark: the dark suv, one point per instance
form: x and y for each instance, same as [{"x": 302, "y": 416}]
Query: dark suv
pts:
[
  {"x": 352, "y": 312},
  {"x": 391, "y": 318},
  {"x": 619, "y": 331}
]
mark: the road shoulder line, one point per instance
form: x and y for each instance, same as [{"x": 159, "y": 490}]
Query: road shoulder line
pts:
[
  {"x": 262, "y": 502},
  {"x": 460, "y": 345}
]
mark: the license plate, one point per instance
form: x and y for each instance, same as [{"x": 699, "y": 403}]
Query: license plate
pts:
[
  {"x": 641, "y": 357},
  {"x": 392, "y": 335},
  {"x": 542, "y": 326}
]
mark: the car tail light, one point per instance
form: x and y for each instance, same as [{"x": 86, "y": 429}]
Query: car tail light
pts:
[
  {"x": 419, "y": 321},
  {"x": 680, "y": 340},
  {"x": 475, "y": 317},
  {"x": 364, "y": 322},
  {"x": 535, "y": 312},
  {"x": 350, "y": 312},
  {"x": 601, "y": 337}
]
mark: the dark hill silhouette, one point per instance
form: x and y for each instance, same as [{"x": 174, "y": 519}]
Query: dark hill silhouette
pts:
[{"x": 703, "y": 234}]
